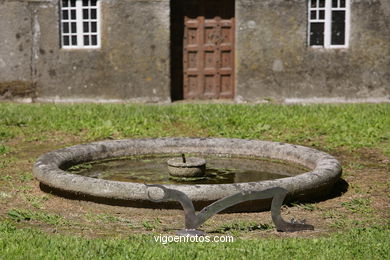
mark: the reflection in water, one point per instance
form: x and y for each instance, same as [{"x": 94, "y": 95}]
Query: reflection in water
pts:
[{"x": 153, "y": 169}]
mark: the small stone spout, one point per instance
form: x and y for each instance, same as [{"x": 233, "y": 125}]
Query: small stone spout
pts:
[
  {"x": 184, "y": 158},
  {"x": 187, "y": 167}
]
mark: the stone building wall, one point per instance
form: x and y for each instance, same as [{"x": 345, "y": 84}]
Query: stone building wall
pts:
[
  {"x": 273, "y": 60},
  {"x": 15, "y": 50},
  {"x": 132, "y": 63}
]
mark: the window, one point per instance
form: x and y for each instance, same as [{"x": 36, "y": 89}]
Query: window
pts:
[
  {"x": 328, "y": 23},
  {"x": 80, "y": 24}
]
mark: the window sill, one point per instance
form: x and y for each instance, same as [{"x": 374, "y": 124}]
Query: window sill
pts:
[
  {"x": 331, "y": 48},
  {"x": 81, "y": 48}
]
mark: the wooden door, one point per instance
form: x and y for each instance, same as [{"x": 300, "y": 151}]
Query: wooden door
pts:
[{"x": 208, "y": 49}]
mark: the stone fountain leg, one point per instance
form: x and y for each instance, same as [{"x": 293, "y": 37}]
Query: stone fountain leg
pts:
[{"x": 194, "y": 221}]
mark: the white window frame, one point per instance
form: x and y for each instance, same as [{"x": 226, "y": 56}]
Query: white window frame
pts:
[
  {"x": 79, "y": 26},
  {"x": 328, "y": 23}
]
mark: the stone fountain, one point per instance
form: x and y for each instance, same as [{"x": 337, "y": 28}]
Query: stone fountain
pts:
[{"x": 323, "y": 172}]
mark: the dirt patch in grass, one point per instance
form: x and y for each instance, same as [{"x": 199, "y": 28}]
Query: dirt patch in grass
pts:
[{"x": 365, "y": 202}]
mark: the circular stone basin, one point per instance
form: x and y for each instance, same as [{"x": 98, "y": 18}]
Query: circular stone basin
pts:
[
  {"x": 50, "y": 169},
  {"x": 192, "y": 167}
]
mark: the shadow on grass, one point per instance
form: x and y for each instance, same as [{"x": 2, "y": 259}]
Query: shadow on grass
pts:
[
  {"x": 337, "y": 190},
  {"x": 313, "y": 196}
]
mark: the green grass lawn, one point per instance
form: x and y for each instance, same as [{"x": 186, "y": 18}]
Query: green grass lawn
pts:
[
  {"x": 351, "y": 126},
  {"x": 346, "y": 130},
  {"x": 369, "y": 243}
]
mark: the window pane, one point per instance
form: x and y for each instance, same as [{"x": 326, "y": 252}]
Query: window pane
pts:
[
  {"x": 93, "y": 2},
  {"x": 342, "y": 3},
  {"x": 316, "y": 34},
  {"x": 66, "y": 41},
  {"x": 322, "y": 3},
  {"x": 85, "y": 27},
  {"x": 65, "y": 3},
  {"x": 313, "y": 3},
  {"x": 85, "y": 2},
  {"x": 74, "y": 40},
  {"x": 65, "y": 15},
  {"x": 85, "y": 13},
  {"x": 73, "y": 14},
  {"x": 322, "y": 15},
  {"x": 74, "y": 29},
  {"x": 86, "y": 40},
  {"x": 73, "y": 3},
  {"x": 93, "y": 27},
  {"x": 93, "y": 13},
  {"x": 65, "y": 27},
  {"x": 313, "y": 15},
  {"x": 338, "y": 28},
  {"x": 94, "y": 39},
  {"x": 334, "y": 3}
]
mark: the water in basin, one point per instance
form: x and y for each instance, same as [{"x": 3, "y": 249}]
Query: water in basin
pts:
[{"x": 152, "y": 169}]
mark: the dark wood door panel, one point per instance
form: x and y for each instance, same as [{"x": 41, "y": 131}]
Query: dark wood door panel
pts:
[{"x": 208, "y": 49}]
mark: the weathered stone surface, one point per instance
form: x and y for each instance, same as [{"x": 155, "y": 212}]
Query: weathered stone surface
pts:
[
  {"x": 132, "y": 64},
  {"x": 274, "y": 61},
  {"x": 15, "y": 50},
  {"x": 193, "y": 167},
  {"x": 48, "y": 169}
]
